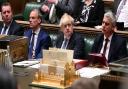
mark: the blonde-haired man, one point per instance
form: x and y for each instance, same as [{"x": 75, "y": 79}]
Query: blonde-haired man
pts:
[{"x": 68, "y": 39}]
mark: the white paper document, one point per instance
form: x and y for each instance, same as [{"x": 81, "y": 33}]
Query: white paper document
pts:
[
  {"x": 25, "y": 63},
  {"x": 90, "y": 72}
]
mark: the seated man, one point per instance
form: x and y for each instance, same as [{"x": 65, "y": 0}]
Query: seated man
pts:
[
  {"x": 68, "y": 39},
  {"x": 38, "y": 39},
  {"x": 109, "y": 43},
  {"x": 9, "y": 26}
]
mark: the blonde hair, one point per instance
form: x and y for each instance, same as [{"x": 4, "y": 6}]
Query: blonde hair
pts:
[{"x": 66, "y": 19}]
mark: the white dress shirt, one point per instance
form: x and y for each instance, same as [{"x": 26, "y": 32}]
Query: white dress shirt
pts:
[
  {"x": 6, "y": 33},
  {"x": 35, "y": 38}
]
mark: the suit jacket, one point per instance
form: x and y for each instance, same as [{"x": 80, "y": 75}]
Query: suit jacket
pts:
[
  {"x": 15, "y": 29},
  {"x": 64, "y": 6},
  {"x": 96, "y": 14},
  {"x": 76, "y": 43},
  {"x": 117, "y": 49},
  {"x": 43, "y": 42},
  {"x": 68, "y": 6}
]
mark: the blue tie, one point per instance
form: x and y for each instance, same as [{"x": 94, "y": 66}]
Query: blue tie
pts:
[
  {"x": 32, "y": 42},
  {"x": 5, "y": 29},
  {"x": 64, "y": 45},
  {"x": 31, "y": 47}
]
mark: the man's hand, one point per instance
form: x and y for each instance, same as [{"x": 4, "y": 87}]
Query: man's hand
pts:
[
  {"x": 53, "y": 1},
  {"x": 45, "y": 8}
]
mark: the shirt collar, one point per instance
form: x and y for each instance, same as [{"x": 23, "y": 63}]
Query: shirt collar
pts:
[
  {"x": 37, "y": 31},
  {"x": 8, "y": 24},
  {"x": 109, "y": 38}
]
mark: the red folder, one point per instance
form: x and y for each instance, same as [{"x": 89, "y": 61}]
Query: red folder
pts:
[
  {"x": 80, "y": 63},
  {"x": 97, "y": 58}
]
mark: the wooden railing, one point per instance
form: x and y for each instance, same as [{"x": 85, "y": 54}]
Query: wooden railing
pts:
[
  {"x": 108, "y": 2},
  {"x": 53, "y": 27}
]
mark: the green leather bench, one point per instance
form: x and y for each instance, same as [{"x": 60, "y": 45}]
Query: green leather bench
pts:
[
  {"x": 89, "y": 35},
  {"x": 28, "y": 7}
]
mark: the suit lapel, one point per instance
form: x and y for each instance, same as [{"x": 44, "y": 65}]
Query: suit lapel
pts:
[
  {"x": 100, "y": 43},
  {"x": 11, "y": 27},
  {"x": 60, "y": 40},
  {"x": 39, "y": 39},
  {"x": 112, "y": 47},
  {"x": 71, "y": 42},
  {"x": 1, "y": 27},
  {"x": 29, "y": 35},
  {"x": 29, "y": 40}
]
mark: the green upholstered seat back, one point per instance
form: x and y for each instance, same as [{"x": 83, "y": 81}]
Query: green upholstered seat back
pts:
[
  {"x": 1, "y": 1},
  {"x": 89, "y": 40},
  {"x": 28, "y": 7}
]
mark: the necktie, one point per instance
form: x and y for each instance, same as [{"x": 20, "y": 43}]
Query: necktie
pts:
[
  {"x": 52, "y": 14},
  {"x": 31, "y": 52},
  {"x": 105, "y": 46},
  {"x": 120, "y": 7},
  {"x": 64, "y": 45},
  {"x": 32, "y": 42},
  {"x": 5, "y": 29}
]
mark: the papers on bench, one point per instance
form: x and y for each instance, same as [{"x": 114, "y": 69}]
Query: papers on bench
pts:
[
  {"x": 90, "y": 72},
  {"x": 25, "y": 63}
]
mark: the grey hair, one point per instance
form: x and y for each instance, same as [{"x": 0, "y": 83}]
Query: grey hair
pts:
[
  {"x": 111, "y": 16},
  {"x": 39, "y": 13}
]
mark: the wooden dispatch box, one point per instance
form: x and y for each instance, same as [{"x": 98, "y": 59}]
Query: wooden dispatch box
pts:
[{"x": 18, "y": 46}]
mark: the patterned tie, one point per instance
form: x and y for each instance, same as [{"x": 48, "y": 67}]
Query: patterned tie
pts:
[
  {"x": 105, "y": 46},
  {"x": 5, "y": 29},
  {"x": 64, "y": 45}
]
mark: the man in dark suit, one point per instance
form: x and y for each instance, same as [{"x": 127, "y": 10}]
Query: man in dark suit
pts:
[
  {"x": 8, "y": 26},
  {"x": 62, "y": 6},
  {"x": 115, "y": 48},
  {"x": 37, "y": 38},
  {"x": 68, "y": 39}
]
